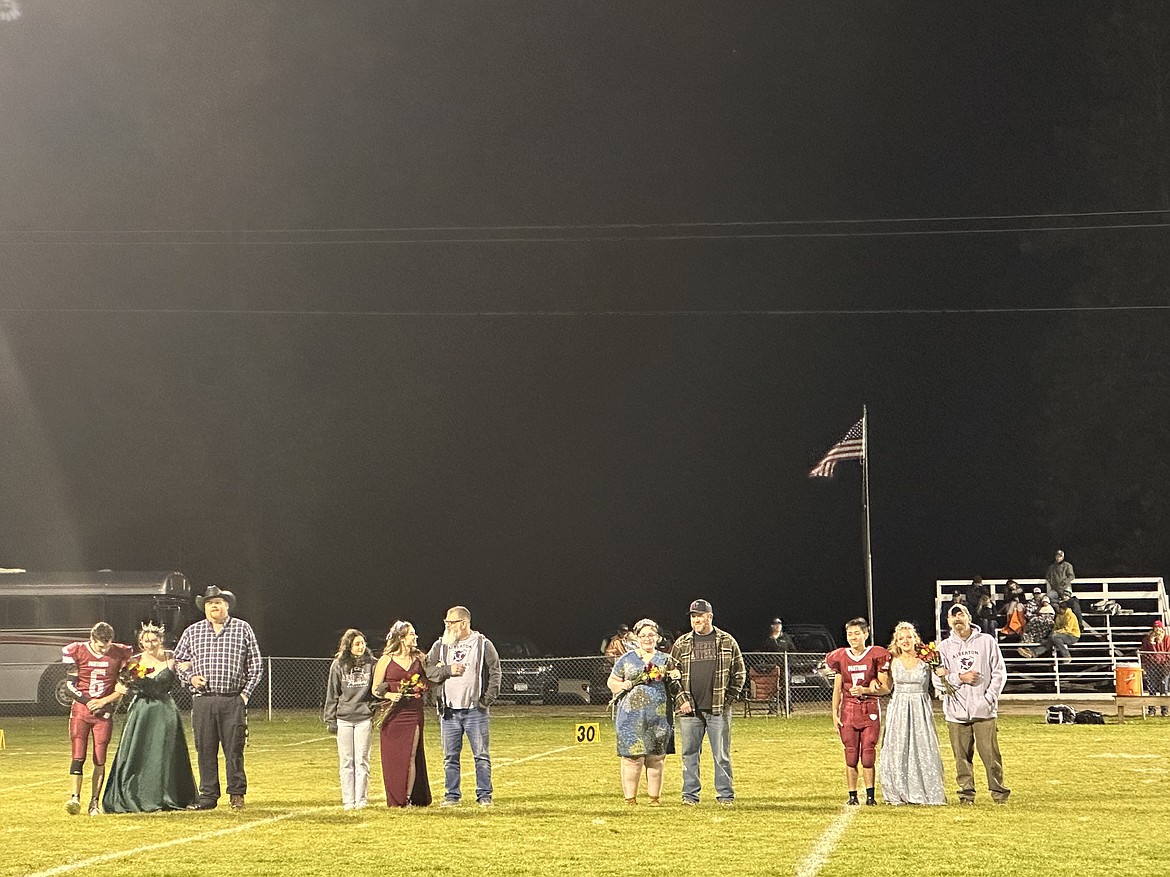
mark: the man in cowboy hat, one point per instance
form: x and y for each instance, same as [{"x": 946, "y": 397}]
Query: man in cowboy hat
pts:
[{"x": 220, "y": 660}]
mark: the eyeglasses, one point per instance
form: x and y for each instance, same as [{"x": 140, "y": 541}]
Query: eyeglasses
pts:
[{"x": 452, "y": 622}]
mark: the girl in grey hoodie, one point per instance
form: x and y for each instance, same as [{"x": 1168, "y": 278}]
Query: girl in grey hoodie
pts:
[{"x": 349, "y": 709}]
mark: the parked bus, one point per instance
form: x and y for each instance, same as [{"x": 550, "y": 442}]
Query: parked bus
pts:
[{"x": 42, "y": 612}]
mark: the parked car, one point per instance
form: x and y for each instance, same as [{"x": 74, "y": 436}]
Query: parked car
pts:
[
  {"x": 810, "y": 677},
  {"x": 529, "y": 674}
]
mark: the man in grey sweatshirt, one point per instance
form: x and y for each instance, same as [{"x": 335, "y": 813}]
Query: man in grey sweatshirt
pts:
[
  {"x": 973, "y": 664},
  {"x": 463, "y": 700}
]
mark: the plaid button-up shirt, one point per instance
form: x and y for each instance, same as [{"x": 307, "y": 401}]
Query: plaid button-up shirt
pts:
[
  {"x": 730, "y": 672},
  {"x": 230, "y": 660}
]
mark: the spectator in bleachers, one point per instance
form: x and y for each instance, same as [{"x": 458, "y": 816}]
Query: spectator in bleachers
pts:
[
  {"x": 975, "y": 590},
  {"x": 1059, "y": 576},
  {"x": 1033, "y": 604},
  {"x": 1012, "y": 612},
  {"x": 1155, "y": 657},
  {"x": 1065, "y": 631},
  {"x": 1068, "y": 596},
  {"x": 1039, "y": 626},
  {"x": 957, "y": 599},
  {"x": 984, "y": 614}
]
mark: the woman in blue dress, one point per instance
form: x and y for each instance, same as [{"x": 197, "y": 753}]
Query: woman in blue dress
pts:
[
  {"x": 644, "y": 682},
  {"x": 911, "y": 764}
]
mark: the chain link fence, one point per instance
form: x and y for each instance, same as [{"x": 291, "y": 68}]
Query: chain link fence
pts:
[{"x": 779, "y": 684}]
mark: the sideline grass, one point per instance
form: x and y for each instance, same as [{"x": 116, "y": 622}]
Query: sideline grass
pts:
[{"x": 1080, "y": 797}]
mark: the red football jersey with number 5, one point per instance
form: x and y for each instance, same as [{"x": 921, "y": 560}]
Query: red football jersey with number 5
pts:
[{"x": 858, "y": 670}]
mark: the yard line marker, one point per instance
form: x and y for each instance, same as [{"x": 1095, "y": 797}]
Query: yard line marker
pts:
[
  {"x": 814, "y": 861},
  {"x": 175, "y": 842}
]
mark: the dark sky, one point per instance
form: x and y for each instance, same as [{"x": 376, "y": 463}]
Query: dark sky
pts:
[{"x": 363, "y": 309}]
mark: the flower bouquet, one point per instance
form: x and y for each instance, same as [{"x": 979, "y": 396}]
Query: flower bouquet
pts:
[
  {"x": 131, "y": 676},
  {"x": 409, "y": 687},
  {"x": 650, "y": 673},
  {"x": 928, "y": 654}
]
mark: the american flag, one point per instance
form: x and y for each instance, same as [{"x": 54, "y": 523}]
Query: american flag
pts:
[{"x": 849, "y": 448}]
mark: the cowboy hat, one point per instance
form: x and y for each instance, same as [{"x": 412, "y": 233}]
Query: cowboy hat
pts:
[{"x": 214, "y": 593}]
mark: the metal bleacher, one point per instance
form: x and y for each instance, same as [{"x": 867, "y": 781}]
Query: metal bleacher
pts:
[{"x": 1118, "y": 612}]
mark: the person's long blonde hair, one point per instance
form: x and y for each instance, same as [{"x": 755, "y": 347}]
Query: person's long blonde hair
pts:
[{"x": 898, "y": 628}]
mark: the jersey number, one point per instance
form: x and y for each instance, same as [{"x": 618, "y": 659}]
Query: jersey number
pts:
[{"x": 95, "y": 681}]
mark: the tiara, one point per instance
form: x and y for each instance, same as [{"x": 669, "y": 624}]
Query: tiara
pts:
[{"x": 151, "y": 627}]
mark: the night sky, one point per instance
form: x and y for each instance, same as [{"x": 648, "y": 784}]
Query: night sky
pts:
[{"x": 364, "y": 309}]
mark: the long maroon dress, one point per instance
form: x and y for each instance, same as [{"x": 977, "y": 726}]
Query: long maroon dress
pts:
[{"x": 404, "y": 763}]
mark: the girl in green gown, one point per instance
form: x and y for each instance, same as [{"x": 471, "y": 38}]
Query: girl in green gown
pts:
[{"x": 152, "y": 768}]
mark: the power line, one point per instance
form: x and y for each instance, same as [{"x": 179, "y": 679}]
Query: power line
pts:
[
  {"x": 991, "y": 217},
  {"x": 397, "y": 236},
  {"x": 744, "y": 312}
]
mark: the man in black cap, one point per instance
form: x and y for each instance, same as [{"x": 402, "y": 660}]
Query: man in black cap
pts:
[
  {"x": 220, "y": 659},
  {"x": 711, "y": 675},
  {"x": 777, "y": 642}
]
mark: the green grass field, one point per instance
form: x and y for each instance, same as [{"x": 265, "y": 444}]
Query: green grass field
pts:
[{"x": 1085, "y": 799}]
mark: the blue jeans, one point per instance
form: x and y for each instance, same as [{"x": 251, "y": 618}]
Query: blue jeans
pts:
[
  {"x": 718, "y": 730},
  {"x": 1061, "y": 642},
  {"x": 474, "y": 723}
]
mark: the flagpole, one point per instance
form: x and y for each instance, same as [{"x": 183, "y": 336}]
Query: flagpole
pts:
[{"x": 865, "y": 514}]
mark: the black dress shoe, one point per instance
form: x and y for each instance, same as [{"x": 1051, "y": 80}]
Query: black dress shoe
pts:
[{"x": 202, "y": 805}]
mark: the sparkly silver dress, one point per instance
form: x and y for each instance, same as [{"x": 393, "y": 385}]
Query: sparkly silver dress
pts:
[{"x": 910, "y": 763}]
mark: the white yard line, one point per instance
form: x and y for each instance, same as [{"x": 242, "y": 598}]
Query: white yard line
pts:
[
  {"x": 29, "y": 785},
  {"x": 441, "y": 784},
  {"x": 310, "y": 740},
  {"x": 820, "y": 853},
  {"x": 179, "y": 841}
]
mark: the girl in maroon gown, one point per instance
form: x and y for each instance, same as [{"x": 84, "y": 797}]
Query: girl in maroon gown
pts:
[{"x": 400, "y": 682}]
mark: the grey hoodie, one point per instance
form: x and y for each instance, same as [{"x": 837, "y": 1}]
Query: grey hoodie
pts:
[
  {"x": 347, "y": 694},
  {"x": 979, "y": 700}
]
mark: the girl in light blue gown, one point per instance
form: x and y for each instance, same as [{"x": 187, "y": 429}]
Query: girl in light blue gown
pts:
[{"x": 911, "y": 764}]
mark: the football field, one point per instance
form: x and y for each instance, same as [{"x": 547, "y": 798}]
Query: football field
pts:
[{"x": 1086, "y": 799}]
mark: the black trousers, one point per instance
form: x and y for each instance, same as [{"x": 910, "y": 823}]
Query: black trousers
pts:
[{"x": 220, "y": 722}]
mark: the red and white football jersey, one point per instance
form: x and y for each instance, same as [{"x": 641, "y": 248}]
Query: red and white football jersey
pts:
[
  {"x": 96, "y": 674},
  {"x": 858, "y": 670}
]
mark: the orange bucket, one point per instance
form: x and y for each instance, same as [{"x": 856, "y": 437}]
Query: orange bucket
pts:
[{"x": 1128, "y": 680}]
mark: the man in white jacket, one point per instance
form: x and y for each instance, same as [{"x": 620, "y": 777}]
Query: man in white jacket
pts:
[{"x": 973, "y": 665}]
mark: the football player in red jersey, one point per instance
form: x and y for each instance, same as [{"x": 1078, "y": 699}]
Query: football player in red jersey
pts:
[
  {"x": 861, "y": 676},
  {"x": 92, "y": 676}
]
